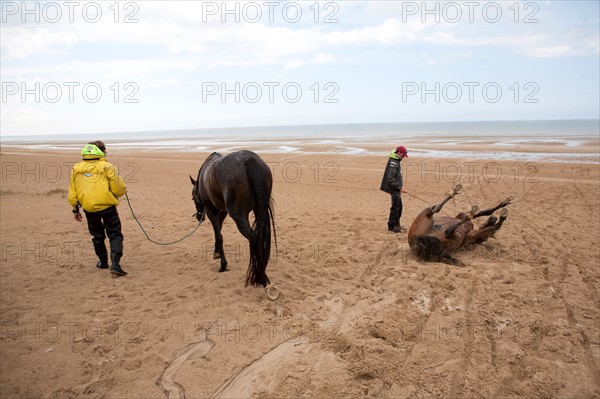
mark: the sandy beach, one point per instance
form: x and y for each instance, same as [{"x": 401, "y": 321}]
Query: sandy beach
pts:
[{"x": 358, "y": 316}]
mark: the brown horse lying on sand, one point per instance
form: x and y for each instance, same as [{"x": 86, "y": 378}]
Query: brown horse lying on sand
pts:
[{"x": 432, "y": 238}]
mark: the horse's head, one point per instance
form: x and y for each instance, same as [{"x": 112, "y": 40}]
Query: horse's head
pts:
[{"x": 200, "y": 212}]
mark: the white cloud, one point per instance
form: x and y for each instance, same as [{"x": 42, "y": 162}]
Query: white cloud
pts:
[
  {"x": 178, "y": 30},
  {"x": 21, "y": 42},
  {"x": 103, "y": 71},
  {"x": 164, "y": 82},
  {"x": 323, "y": 58},
  {"x": 534, "y": 44},
  {"x": 294, "y": 63}
]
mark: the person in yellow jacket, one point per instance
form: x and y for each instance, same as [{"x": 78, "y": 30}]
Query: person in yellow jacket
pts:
[{"x": 95, "y": 186}]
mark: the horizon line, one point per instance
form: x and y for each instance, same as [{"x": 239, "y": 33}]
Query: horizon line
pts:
[{"x": 3, "y": 136}]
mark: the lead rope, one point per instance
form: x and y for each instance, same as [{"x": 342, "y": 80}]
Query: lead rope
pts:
[
  {"x": 146, "y": 234},
  {"x": 426, "y": 202}
]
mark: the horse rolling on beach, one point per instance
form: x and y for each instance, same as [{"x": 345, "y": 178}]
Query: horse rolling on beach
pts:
[
  {"x": 433, "y": 237},
  {"x": 234, "y": 185}
]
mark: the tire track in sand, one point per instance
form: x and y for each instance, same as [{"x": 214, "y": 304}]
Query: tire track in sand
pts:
[
  {"x": 458, "y": 382},
  {"x": 574, "y": 324}
]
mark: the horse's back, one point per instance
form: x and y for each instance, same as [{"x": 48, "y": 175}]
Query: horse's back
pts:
[
  {"x": 249, "y": 162},
  {"x": 228, "y": 180},
  {"x": 247, "y": 157}
]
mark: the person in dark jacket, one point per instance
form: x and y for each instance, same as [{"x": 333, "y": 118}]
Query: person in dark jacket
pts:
[{"x": 392, "y": 184}]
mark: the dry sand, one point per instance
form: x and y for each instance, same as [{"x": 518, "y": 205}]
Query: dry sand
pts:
[{"x": 358, "y": 316}]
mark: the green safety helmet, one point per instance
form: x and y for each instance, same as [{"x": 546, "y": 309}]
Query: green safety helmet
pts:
[{"x": 91, "y": 149}]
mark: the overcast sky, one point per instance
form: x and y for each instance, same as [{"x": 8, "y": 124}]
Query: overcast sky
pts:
[{"x": 93, "y": 67}]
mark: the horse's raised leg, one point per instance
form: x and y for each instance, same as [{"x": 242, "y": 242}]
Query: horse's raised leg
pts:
[
  {"x": 456, "y": 190},
  {"x": 464, "y": 218},
  {"x": 475, "y": 213},
  {"x": 488, "y": 212},
  {"x": 503, "y": 216},
  {"x": 491, "y": 226}
]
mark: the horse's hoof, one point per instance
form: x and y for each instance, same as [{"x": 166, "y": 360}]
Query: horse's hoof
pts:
[
  {"x": 509, "y": 200},
  {"x": 457, "y": 189},
  {"x": 223, "y": 269},
  {"x": 504, "y": 213},
  {"x": 474, "y": 210},
  {"x": 216, "y": 255},
  {"x": 272, "y": 292}
]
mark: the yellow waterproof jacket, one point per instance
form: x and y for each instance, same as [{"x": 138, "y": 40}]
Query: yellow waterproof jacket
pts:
[{"x": 95, "y": 185}]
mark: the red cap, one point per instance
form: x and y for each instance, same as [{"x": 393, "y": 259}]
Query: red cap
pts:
[{"x": 402, "y": 150}]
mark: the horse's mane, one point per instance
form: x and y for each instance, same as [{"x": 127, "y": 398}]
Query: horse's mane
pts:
[{"x": 431, "y": 249}]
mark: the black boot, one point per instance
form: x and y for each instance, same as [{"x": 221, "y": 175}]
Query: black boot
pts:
[
  {"x": 103, "y": 262},
  {"x": 394, "y": 228},
  {"x": 115, "y": 269}
]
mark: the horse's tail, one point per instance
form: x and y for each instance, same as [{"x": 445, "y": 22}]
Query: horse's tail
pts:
[
  {"x": 260, "y": 239},
  {"x": 431, "y": 249}
]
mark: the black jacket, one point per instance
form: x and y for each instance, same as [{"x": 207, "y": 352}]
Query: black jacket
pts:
[{"x": 392, "y": 177}]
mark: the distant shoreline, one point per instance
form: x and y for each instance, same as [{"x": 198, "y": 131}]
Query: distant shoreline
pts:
[
  {"x": 576, "y": 141},
  {"x": 587, "y": 127},
  {"x": 572, "y": 149}
]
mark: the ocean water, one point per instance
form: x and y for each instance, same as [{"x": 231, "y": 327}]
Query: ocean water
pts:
[{"x": 355, "y": 139}]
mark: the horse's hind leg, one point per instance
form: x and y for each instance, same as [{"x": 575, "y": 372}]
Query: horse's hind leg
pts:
[
  {"x": 256, "y": 274},
  {"x": 243, "y": 226},
  {"x": 464, "y": 218},
  {"x": 487, "y": 230},
  {"x": 489, "y": 223},
  {"x": 503, "y": 216},
  {"x": 488, "y": 212}
]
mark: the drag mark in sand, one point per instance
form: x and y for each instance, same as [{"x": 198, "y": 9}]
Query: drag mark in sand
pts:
[
  {"x": 166, "y": 382},
  {"x": 240, "y": 384}
]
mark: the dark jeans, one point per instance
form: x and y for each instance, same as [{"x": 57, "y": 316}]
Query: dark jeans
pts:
[
  {"x": 395, "y": 210},
  {"x": 101, "y": 221}
]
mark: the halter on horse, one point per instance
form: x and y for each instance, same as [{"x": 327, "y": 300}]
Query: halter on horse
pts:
[
  {"x": 432, "y": 238},
  {"x": 234, "y": 185}
]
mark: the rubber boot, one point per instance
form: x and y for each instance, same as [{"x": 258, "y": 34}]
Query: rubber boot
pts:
[
  {"x": 103, "y": 262},
  {"x": 115, "y": 268}
]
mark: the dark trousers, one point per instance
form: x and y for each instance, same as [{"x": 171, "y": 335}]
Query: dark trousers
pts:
[
  {"x": 395, "y": 210},
  {"x": 107, "y": 221}
]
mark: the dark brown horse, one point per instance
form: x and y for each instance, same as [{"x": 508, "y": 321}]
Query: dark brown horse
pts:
[
  {"x": 237, "y": 184},
  {"x": 433, "y": 237}
]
